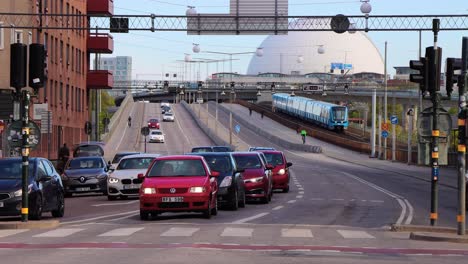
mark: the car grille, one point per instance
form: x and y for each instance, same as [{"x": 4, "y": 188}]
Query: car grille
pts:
[
  {"x": 256, "y": 191},
  {"x": 168, "y": 190},
  {"x": 130, "y": 191},
  {"x": 91, "y": 186},
  {"x": 4, "y": 196},
  {"x": 130, "y": 181},
  {"x": 173, "y": 205},
  {"x": 137, "y": 181}
]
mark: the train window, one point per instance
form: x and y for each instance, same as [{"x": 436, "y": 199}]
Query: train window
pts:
[{"x": 339, "y": 113}]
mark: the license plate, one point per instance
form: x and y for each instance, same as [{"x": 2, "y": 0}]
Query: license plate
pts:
[
  {"x": 1, "y": 204},
  {"x": 131, "y": 186},
  {"x": 173, "y": 199},
  {"x": 83, "y": 189}
]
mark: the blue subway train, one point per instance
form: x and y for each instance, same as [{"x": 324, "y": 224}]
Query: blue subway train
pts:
[{"x": 328, "y": 115}]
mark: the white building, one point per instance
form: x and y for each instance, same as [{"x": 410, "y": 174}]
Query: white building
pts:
[{"x": 121, "y": 68}]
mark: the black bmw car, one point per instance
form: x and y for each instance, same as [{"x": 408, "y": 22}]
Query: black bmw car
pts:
[
  {"x": 45, "y": 188},
  {"x": 231, "y": 187}
]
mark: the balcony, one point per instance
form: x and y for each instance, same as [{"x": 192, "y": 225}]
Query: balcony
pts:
[
  {"x": 100, "y": 43},
  {"x": 101, "y": 7},
  {"x": 100, "y": 79}
]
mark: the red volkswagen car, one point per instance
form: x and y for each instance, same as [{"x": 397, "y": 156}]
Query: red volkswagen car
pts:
[
  {"x": 178, "y": 184},
  {"x": 257, "y": 179},
  {"x": 280, "y": 171},
  {"x": 153, "y": 123}
]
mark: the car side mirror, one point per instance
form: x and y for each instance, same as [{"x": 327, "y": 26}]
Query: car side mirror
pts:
[
  {"x": 289, "y": 164},
  {"x": 270, "y": 167},
  {"x": 141, "y": 176},
  {"x": 214, "y": 174}
]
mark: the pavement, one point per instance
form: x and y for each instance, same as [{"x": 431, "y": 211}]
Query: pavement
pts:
[{"x": 44, "y": 224}]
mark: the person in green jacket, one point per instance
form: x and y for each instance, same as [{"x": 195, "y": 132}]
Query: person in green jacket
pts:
[{"x": 303, "y": 135}]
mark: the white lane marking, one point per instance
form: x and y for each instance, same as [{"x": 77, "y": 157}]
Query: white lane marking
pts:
[
  {"x": 5, "y": 233},
  {"x": 115, "y": 204},
  {"x": 124, "y": 217},
  {"x": 121, "y": 232},
  {"x": 301, "y": 192},
  {"x": 363, "y": 201},
  {"x": 337, "y": 199},
  {"x": 299, "y": 196},
  {"x": 125, "y": 130},
  {"x": 180, "y": 232},
  {"x": 100, "y": 217},
  {"x": 295, "y": 232},
  {"x": 376, "y": 201},
  {"x": 277, "y": 208},
  {"x": 316, "y": 199},
  {"x": 354, "y": 234},
  {"x": 240, "y": 221},
  {"x": 300, "y": 189},
  {"x": 401, "y": 200},
  {"x": 183, "y": 130},
  {"x": 299, "y": 186},
  {"x": 237, "y": 232},
  {"x": 61, "y": 232},
  {"x": 292, "y": 201}
]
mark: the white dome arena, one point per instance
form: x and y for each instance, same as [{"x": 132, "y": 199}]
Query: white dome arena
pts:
[{"x": 356, "y": 49}]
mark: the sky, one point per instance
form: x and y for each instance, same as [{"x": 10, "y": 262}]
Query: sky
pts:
[{"x": 155, "y": 53}]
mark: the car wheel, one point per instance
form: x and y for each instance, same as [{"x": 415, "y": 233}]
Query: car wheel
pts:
[
  {"x": 207, "y": 212},
  {"x": 144, "y": 215},
  {"x": 111, "y": 197},
  {"x": 286, "y": 190},
  {"x": 242, "y": 202},
  {"x": 235, "y": 200},
  {"x": 60, "y": 211},
  {"x": 36, "y": 213},
  {"x": 214, "y": 211}
]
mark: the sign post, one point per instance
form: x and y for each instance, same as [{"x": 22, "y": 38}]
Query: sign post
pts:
[
  {"x": 145, "y": 132},
  {"x": 394, "y": 121},
  {"x": 46, "y": 128}
]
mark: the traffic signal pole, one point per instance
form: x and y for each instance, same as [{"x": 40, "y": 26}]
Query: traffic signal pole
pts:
[{"x": 25, "y": 157}]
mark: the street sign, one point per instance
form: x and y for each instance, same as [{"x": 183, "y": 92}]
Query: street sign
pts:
[
  {"x": 384, "y": 126},
  {"x": 46, "y": 122},
  {"x": 385, "y": 134},
  {"x": 145, "y": 131},
  {"x": 394, "y": 119},
  {"x": 15, "y": 136},
  {"x": 237, "y": 129},
  {"x": 38, "y": 109}
]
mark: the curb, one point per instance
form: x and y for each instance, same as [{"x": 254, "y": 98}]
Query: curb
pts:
[
  {"x": 454, "y": 238},
  {"x": 30, "y": 225},
  {"x": 418, "y": 228}
]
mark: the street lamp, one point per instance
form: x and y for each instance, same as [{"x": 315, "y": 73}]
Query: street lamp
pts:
[
  {"x": 352, "y": 28},
  {"x": 366, "y": 8},
  {"x": 191, "y": 11},
  {"x": 196, "y": 48}
]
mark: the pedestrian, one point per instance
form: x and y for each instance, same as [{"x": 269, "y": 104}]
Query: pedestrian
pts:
[
  {"x": 250, "y": 111},
  {"x": 63, "y": 156},
  {"x": 261, "y": 114},
  {"x": 303, "y": 135}
]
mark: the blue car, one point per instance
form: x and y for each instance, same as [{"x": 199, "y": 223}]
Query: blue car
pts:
[{"x": 45, "y": 188}]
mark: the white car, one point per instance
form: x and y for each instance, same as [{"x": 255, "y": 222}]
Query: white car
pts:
[
  {"x": 123, "y": 182},
  {"x": 156, "y": 136},
  {"x": 168, "y": 116}
]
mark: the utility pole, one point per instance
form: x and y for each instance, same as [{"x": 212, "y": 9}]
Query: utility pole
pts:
[
  {"x": 25, "y": 149},
  {"x": 385, "y": 102}
]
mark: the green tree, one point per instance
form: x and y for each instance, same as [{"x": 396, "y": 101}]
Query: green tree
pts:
[{"x": 107, "y": 101}]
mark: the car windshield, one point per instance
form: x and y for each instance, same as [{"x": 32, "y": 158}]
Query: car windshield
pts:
[
  {"x": 219, "y": 163},
  {"x": 119, "y": 156},
  {"x": 135, "y": 163},
  {"x": 156, "y": 133},
  {"x": 247, "y": 162},
  {"x": 154, "y": 121},
  {"x": 90, "y": 163},
  {"x": 12, "y": 169},
  {"x": 221, "y": 149},
  {"x": 178, "y": 168},
  {"x": 168, "y": 114},
  {"x": 198, "y": 150},
  {"x": 89, "y": 150},
  {"x": 274, "y": 159}
]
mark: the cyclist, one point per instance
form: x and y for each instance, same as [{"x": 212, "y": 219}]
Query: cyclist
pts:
[
  {"x": 303, "y": 135},
  {"x": 129, "y": 121}
]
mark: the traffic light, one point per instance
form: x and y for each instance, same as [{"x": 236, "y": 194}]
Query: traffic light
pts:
[
  {"x": 37, "y": 65},
  {"x": 200, "y": 84},
  {"x": 420, "y": 77},
  {"x": 434, "y": 59},
  {"x": 233, "y": 84},
  {"x": 451, "y": 78},
  {"x": 166, "y": 84}
]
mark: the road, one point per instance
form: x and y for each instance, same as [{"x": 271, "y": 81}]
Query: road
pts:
[{"x": 336, "y": 211}]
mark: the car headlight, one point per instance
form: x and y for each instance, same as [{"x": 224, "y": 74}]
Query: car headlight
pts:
[
  {"x": 102, "y": 176},
  {"x": 18, "y": 193},
  {"x": 226, "y": 182},
  {"x": 197, "y": 189},
  {"x": 254, "y": 180},
  {"x": 281, "y": 172},
  {"x": 113, "y": 180},
  {"x": 149, "y": 190}
]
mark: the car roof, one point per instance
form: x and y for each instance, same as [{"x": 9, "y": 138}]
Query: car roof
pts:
[
  {"x": 210, "y": 153},
  {"x": 90, "y": 143},
  {"x": 154, "y": 119},
  {"x": 87, "y": 157},
  {"x": 142, "y": 155},
  {"x": 271, "y": 151},
  {"x": 127, "y": 152},
  {"x": 246, "y": 153},
  {"x": 181, "y": 157}
]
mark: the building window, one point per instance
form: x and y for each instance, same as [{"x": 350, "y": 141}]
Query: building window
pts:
[
  {"x": 16, "y": 36},
  {"x": 61, "y": 51},
  {"x": 73, "y": 58},
  {"x": 56, "y": 50},
  {"x": 67, "y": 96},
  {"x": 61, "y": 93},
  {"x": 67, "y": 54},
  {"x": 2, "y": 36}
]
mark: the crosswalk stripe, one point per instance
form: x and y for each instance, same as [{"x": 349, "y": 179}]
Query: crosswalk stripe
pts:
[
  {"x": 180, "y": 231},
  {"x": 61, "y": 232},
  {"x": 121, "y": 232},
  {"x": 5, "y": 233},
  {"x": 295, "y": 232},
  {"x": 237, "y": 232},
  {"x": 354, "y": 234}
]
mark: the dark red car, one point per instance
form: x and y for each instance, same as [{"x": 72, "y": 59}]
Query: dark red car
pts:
[
  {"x": 178, "y": 184},
  {"x": 153, "y": 123},
  {"x": 280, "y": 171},
  {"x": 258, "y": 182}
]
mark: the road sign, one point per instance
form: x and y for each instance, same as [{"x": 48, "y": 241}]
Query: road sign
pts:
[
  {"x": 15, "y": 136},
  {"x": 145, "y": 131},
  {"x": 385, "y": 134},
  {"x": 237, "y": 129},
  {"x": 394, "y": 119},
  {"x": 384, "y": 126},
  {"x": 38, "y": 109},
  {"x": 46, "y": 122}
]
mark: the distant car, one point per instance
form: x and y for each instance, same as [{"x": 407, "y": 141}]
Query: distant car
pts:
[
  {"x": 45, "y": 188},
  {"x": 86, "y": 149},
  {"x": 260, "y": 148},
  {"x": 165, "y": 103},
  {"x": 178, "y": 184},
  {"x": 153, "y": 123},
  {"x": 280, "y": 171},
  {"x": 166, "y": 109},
  {"x": 211, "y": 149},
  {"x": 168, "y": 116},
  {"x": 156, "y": 136},
  {"x": 123, "y": 182},
  {"x": 258, "y": 182},
  {"x": 118, "y": 156},
  {"x": 231, "y": 184},
  {"x": 85, "y": 174}
]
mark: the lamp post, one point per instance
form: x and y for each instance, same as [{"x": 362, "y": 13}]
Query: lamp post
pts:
[{"x": 366, "y": 8}]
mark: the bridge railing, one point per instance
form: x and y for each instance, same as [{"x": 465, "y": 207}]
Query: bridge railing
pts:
[{"x": 114, "y": 121}]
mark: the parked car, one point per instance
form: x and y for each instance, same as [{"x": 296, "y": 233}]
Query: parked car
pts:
[
  {"x": 231, "y": 186},
  {"x": 178, "y": 184},
  {"x": 45, "y": 188},
  {"x": 118, "y": 156},
  {"x": 156, "y": 136},
  {"x": 153, "y": 123},
  {"x": 257, "y": 179},
  {"x": 85, "y": 174},
  {"x": 211, "y": 149},
  {"x": 168, "y": 116},
  {"x": 123, "y": 182},
  {"x": 86, "y": 149},
  {"x": 280, "y": 171}
]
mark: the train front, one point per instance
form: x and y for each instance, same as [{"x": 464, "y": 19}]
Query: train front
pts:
[{"x": 339, "y": 118}]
